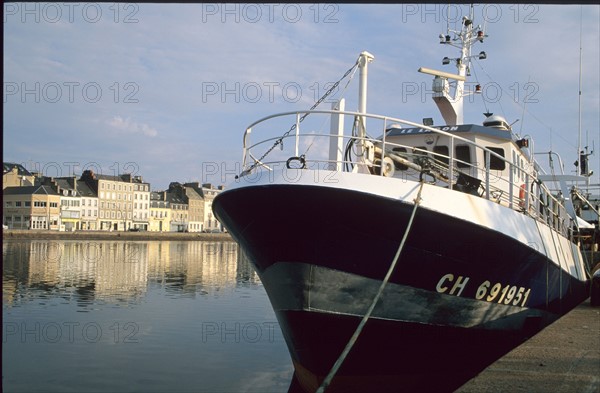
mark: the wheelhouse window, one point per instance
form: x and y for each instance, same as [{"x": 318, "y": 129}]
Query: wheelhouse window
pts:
[
  {"x": 421, "y": 151},
  {"x": 463, "y": 156},
  {"x": 495, "y": 162},
  {"x": 442, "y": 154}
]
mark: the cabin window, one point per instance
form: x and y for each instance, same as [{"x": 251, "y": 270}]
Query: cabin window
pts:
[
  {"x": 422, "y": 150},
  {"x": 401, "y": 151},
  {"x": 463, "y": 156},
  {"x": 442, "y": 154},
  {"x": 495, "y": 162}
]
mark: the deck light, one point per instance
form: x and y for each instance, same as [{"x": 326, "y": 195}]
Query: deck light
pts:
[
  {"x": 446, "y": 60},
  {"x": 477, "y": 88},
  {"x": 482, "y": 55}
]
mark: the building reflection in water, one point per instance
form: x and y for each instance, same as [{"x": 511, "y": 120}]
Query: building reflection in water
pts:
[{"x": 116, "y": 271}]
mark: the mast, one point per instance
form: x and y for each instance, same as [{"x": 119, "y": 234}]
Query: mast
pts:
[
  {"x": 451, "y": 105},
  {"x": 579, "y": 151},
  {"x": 363, "y": 61},
  {"x": 364, "y": 148}
]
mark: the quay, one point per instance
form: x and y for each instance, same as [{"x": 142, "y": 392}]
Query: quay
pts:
[
  {"x": 564, "y": 357},
  {"x": 25, "y": 234}
]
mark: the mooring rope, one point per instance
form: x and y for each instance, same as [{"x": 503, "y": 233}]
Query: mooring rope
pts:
[{"x": 366, "y": 317}]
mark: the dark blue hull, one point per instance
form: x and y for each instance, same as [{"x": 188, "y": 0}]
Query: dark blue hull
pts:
[{"x": 461, "y": 295}]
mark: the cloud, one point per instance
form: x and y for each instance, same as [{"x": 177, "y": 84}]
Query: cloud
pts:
[{"x": 127, "y": 125}]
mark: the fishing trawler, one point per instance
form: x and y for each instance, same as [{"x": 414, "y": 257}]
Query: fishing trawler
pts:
[{"x": 434, "y": 250}]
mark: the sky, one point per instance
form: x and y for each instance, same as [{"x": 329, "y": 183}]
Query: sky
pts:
[{"x": 166, "y": 91}]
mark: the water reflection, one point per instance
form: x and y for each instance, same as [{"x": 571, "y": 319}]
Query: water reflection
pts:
[
  {"x": 144, "y": 316},
  {"x": 119, "y": 271}
]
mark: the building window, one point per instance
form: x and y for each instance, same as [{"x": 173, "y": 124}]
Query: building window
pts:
[
  {"x": 9, "y": 204},
  {"x": 101, "y": 213},
  {"x": 18, "y": 204},
  {"x": 53, "y": 204},
  {"x": 27, "y": 204}
]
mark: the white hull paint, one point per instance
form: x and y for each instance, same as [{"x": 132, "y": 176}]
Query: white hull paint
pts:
[{"x": 479, "y": 211}]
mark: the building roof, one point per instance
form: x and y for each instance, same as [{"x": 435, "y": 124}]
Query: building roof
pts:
[
  {"x": 174, "y": 198},
  {"x": 65, "y": 183},
  {"x": 90, "y": 175},
  {"x": 122, "y": 178},
  {"x": 192, "y": 193},
  {"x": 21, "y": 171},
  {"x": 84, "y": 190},
  {"x": 30, "y": 190}
]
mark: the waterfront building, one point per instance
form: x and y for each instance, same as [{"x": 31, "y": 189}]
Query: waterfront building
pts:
[
  {"x": 31, "y": 207},
  {"x": 191, "y": 194},
  {"x": 160, "y": 213},
  {"x": 104, "y": 202},
  {"x": 89, "y": 206},
  {"x": 196, "y": 206},
  {"x": 115, "y": 199},
  {"x": 70, "y": 201},
  {"x": 179, "y": 212},
  {"x": 209, "y": 192},
  {"x": 15, "y": 175},
  {"x": 141, "y": 203}
]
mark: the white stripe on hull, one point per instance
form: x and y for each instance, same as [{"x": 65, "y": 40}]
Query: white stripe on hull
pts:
[{"x": 456, "y": 204}]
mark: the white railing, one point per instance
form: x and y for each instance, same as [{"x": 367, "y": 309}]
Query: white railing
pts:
[{"x": 513, "y": 186}]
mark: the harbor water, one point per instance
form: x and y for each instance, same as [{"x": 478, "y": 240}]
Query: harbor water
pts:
[
  {"x": 137, "y": 316},
  {"x": 192, "y": 316}
]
